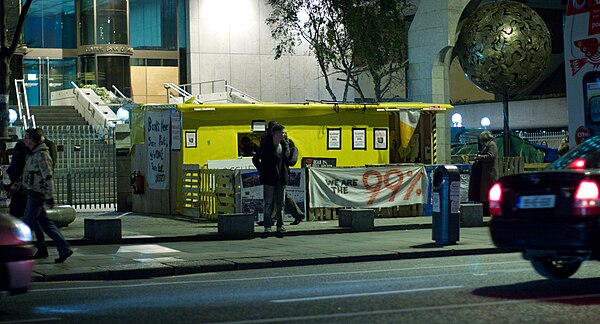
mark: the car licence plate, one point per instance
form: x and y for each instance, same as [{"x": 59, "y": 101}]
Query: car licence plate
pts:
[{"x": 540, "y": 201}]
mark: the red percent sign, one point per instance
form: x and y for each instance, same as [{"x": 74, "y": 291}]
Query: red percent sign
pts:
[{"x": 394, "y": 187}]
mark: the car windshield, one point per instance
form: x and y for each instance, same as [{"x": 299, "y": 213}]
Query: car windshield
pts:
[{"x": 584, "y": 156}]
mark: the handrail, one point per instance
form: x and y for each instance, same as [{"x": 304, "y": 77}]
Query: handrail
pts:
[
  {"x": 23, "y": 104},
  {"x": 180, "y": 91},
  {"x": 96, "y": 109},
  {"x": 179, "y": 100},
  {"x": 117, "y": 91},
  {"x": 231, "y": 89},
  {"x": 212, "y": 82}
]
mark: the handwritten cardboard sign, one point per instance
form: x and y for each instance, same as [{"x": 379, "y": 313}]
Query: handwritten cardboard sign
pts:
[{"x": 158, "y": 135}]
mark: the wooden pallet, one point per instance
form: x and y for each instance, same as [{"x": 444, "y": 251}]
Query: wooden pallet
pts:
[{"x": 321, "y": 214}]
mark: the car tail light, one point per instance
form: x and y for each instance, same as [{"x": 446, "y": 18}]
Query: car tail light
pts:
[
  {"x": 577, "y": 164},
  {"x": 587, "y": 199},
  {"x": 495, "y": 198}
]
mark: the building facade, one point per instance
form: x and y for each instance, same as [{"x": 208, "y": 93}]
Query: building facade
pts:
[
  {"x": 138, "y": 45},
  {"x": 107, "y": 43}
]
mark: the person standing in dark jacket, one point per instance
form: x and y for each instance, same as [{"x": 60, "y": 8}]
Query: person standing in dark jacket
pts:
[
  {"x": 272, "y": 163},
  {"x": 484, "y": 172}
]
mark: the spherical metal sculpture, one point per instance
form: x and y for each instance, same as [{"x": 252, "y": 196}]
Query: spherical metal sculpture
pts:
[{"x": 503, "y": 47}]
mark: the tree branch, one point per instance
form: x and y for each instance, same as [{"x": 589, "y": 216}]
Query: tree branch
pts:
[{"x": 19, "y": 28}]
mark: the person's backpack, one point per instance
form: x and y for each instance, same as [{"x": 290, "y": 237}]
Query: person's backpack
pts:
[
  {"x": 293, "y": 153},
  {"x": 53, "y": 153}
]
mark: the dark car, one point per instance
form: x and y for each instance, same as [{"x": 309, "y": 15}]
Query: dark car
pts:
[
  {"x": 552, "y": 216},
  {"x": 16, "y": 252}
]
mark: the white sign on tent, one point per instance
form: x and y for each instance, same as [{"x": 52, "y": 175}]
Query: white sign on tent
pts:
[{"x": 158, "y": 134}]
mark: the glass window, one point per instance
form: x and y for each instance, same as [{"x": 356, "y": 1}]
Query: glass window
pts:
[
  {"x": 50, "y": 25},
  {"x": 153, "y": 62},
  {"x": 88, "y": 70},
  {"x": 119, "y": 75},
  {"x": 153, "y": 24},
  {"x": 168, "y": 62},
  {"x": 111, "y": 22},
  {"x": 138, "y": 62},
  {"x": 87, "y": 22}
]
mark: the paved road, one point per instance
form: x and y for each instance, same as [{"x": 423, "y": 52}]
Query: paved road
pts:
[{"x": 466, "y": 289}]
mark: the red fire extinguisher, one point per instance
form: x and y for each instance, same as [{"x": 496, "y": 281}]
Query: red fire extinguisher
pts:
[{"x": 137, "y": 182}]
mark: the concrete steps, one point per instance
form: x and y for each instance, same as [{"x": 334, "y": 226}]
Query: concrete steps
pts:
[{"x": 56, "y": 115}]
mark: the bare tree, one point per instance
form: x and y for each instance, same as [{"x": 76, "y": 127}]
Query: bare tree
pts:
[{"x": 10, "y": 39}]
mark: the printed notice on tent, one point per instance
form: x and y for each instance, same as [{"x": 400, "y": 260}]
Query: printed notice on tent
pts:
[
  {"x": 158, "y": 135},
  {"x": 334, "y": 138}
]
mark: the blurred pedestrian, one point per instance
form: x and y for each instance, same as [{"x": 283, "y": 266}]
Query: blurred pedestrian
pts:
[
  {"x": 484, "y": 172},
  {"x": 248, "y": 147},
  {"x": 564, "y": 145},
  {"x": 272, "y": 162},
  {"x": 18, "y": 199},
  {"x": 37, "y": 183}
]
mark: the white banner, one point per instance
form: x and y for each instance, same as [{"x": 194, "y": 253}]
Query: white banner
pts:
[
  {"x": 158, "y": 135},
  {"x": 369, "y": 187}
]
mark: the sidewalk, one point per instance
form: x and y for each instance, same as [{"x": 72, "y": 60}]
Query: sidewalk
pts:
[{"x": 155, "y": 246}]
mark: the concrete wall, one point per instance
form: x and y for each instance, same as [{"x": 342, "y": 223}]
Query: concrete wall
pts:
[
  {"x": 147, "y": 83},
  {"x": 542, "y": 113},
  {"x": 234, "y": 43},
  {"x": 155, "y": 201},
  {"x": 431, "y": 38}
]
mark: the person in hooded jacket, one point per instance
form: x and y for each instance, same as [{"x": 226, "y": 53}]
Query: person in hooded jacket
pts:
[
  {"x": 37, "y": 184},
  {"x": 484, "y": 172},
  {"x": 272, "y": 162},
  {"x": 18, "y": 200}
]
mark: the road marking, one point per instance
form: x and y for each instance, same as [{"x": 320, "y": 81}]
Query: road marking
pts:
[
  {"x": 33, "y": 320},
  {"x": 378, "y": 293},
  {"x": 454, "y": 274},
  {"x": 146, "y": 249},
  {"x": 285, "y": 277},
  {"x": 408, "y": 310}
]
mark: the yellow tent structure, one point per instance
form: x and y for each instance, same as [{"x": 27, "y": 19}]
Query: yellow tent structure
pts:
[{"x": 354, "y": 134}]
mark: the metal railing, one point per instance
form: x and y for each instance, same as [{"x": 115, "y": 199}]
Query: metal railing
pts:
[
  {"x": 85, "y": 170},
  {"x": 118, "y": 92},
  {"x": 213, "y": 86},
  {"x": 193, "y": 90},
  {"x": 180, "y": 91},
  {"x": 553, "y": 138},
  {"x": 240, "y": 94},
  {"x": 25, "y": 115}
]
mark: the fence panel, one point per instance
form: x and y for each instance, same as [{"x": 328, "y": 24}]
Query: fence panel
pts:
[
  {"x": 85, "y": 171},
  {"x": 207, "y": 192}
]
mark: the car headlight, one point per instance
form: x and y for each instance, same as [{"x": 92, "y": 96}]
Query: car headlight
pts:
[{"x": 21, "y": 231}]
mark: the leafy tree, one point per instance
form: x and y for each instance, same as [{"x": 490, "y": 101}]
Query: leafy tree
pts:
[
  {"x": 10, "y": 39},
  {"x": 348, "y": 37},
  {"x": 379, "y": 33},
  {"x": 289, "y": 29}
]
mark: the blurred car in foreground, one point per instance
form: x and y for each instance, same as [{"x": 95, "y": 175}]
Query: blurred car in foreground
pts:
[
  {"x": 16, "y": 253},
  {"x": 552, "y": 216}
]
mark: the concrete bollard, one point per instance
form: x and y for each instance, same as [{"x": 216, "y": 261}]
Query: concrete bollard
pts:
[
  {"x": 239, "y": 226},
  {"x": 61, "y": 215},
  {"x": 358, "y": 219}
]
